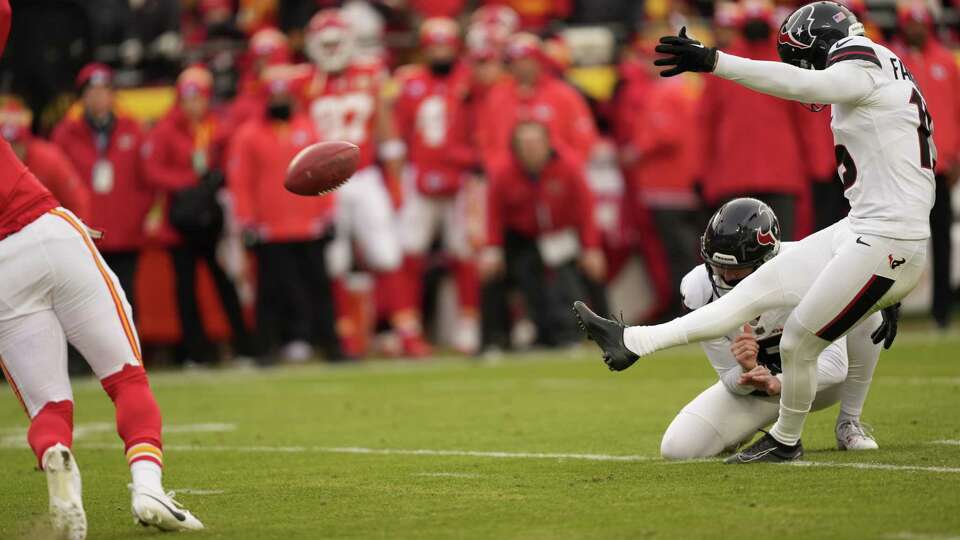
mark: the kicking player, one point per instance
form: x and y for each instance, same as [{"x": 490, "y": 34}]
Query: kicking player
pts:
[
  {"x": 840, "y": 275},
  {"x": 739, "y": 238},
  {"x": 57, "y": 287}
]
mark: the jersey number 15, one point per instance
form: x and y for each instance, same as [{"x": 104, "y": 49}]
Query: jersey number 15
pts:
[{"x": 847, "y": 169}]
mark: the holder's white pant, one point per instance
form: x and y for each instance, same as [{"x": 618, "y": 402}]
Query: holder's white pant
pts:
[
  {"x": 718, "y": 419},
  {"x": 57, "y": 287}
]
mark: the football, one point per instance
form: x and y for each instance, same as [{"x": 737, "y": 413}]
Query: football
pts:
[{"x": 321, "y": 168}]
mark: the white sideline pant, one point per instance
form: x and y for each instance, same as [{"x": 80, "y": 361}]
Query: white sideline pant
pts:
[
  {"x": 422, "y": 217},
  {"x": 56, "y": 287},
  {"x": 365, "y": 213}
]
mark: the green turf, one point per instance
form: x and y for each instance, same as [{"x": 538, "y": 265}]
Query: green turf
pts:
[{"x": 563, "y": 403}]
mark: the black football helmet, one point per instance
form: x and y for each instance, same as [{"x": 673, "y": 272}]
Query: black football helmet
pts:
[
  {"x": 743, "y": 233},
  {"x": 808, "y": 33}
]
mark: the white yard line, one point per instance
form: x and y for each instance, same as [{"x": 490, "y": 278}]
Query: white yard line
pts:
[
  {"x": 446, "y": 475},
  {"x": 906, "y": 535},
  {"x": 197, "y": 491},
  {"x": 879, "y": 466},
  {"x": 948, "y": 442},
  {"x": 508, "y": 455}
]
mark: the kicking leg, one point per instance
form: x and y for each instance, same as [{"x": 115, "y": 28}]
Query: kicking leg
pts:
[
  {"x": 780, "y": 282},
  {"x": 33, "y": 356}
]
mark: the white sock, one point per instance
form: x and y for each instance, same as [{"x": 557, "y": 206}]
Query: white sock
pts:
[
  {"x": 644, "y": 340},
  {"x": 147, "y": 474},
  {"x": 799, "y": 349},
  {"x": 863, "y": 355}
]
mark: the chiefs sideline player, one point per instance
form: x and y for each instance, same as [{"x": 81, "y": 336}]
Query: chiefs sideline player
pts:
[
  {"x": 430, "y": 115},
  {"x": 57, "y": 287},
  {"x": 346, "y": 103}
]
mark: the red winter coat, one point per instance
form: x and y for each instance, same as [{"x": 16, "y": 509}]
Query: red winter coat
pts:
[
  {"x": 664, "y": 137},
  {"x": 536, "y": 14},
  {"x": 552, "y": 102},
  {"x": 259, "y": 154},
  {"x": 429, "y": 113},
  {"x": 169, "y": 154},
  {"x": 118, "y": 208},
  {"x": 751, "y": 142},
  {"x": 935, "y": 70},
  {"x": 558, "y": 199},
  {"x": 48, "y": 163}
]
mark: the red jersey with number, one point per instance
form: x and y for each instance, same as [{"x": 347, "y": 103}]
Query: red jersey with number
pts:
[
  {"x": 343, "y": 106},
  {"x": 429, "y": 113}
]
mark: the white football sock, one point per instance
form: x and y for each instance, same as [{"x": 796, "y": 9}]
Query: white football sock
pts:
[
  {"x": 147, "y": 474},
  {"x": 862, "y": 355}
]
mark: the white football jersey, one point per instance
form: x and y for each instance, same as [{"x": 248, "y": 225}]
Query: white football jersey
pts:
[{"x": 884, "y": 146}]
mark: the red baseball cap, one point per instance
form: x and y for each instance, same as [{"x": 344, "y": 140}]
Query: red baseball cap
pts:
[
  {"x": 15, "y": 119},
  {"x": 439, "y": 31},
  {"x": 94, "y": 74},
  {"x": 195, "y": 80}
]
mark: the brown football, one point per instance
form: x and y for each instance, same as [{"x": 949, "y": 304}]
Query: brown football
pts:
[{"x": 321, "y": 168}]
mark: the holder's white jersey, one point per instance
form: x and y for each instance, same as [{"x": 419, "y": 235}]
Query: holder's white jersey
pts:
[
  {"x": 883, "y": 134},
  {"x": 697, "y": 290}
]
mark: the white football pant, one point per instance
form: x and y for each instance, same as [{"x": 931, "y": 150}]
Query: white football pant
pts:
[{"x": 57, "y": 287}]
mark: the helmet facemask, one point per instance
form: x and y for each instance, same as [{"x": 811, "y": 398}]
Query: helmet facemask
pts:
[{"x": 330, "y": 48}]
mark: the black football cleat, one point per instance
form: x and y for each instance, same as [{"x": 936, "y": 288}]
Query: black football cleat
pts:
[
  {"x": 767, "y": 449},
  {"x": 608, "y": 335}
]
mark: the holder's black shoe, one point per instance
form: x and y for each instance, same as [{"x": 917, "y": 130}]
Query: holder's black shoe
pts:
[
  {"x": 767, "y": 449},
  {"x": 608, "y": 335}
]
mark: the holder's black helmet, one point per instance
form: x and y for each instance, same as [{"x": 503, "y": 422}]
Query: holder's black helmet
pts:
[
  {"x": 808, "y": 33},
  {"x": 743, "y": 233}
]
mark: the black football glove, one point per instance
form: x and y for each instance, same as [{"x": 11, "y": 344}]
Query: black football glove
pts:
[
  {"x": 685, "y": 54},
  {"x": 887, "y": 331}
]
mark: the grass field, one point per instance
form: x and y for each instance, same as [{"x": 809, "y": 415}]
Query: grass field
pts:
[{"x": 533, "y": 446}]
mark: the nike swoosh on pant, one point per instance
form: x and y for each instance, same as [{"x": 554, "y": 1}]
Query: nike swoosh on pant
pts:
[{"x": 179, "y": 515}]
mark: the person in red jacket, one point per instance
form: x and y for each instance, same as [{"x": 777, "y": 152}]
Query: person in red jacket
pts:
[
  {"x": 267, "y": 47},
  {"x": 182, "y": 159},
  {"x": 541, "y": 235},
  {"x": 430, "y": 114},
  {"x": 103, "y": 145},
  {"x": 57, "y": 287},
  {"x": 289, "y": 233},
  {"x": 533, "y": 93},
  {"x": 751, "y": 144},
  {"x": 934, "y": 68},
  {"x": 661, "y": 180},
  {"x": 43, "y": 158}
]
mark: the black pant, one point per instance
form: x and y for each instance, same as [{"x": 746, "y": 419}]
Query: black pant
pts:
[
  {"x": 124, "y": 265},
  {"x": 829, "y": 204},
  {"x": 295, "y": 296},
  {"x": 679, "y": 235},
  {"x": 548, "y": 293},
  {"x": 197, "y": 345},
  {"x": 783, "y": 205},
  {"x": 941, "y": 221}
]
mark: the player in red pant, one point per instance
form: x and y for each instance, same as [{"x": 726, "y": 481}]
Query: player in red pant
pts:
[{"x": 57, "y": 288}]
